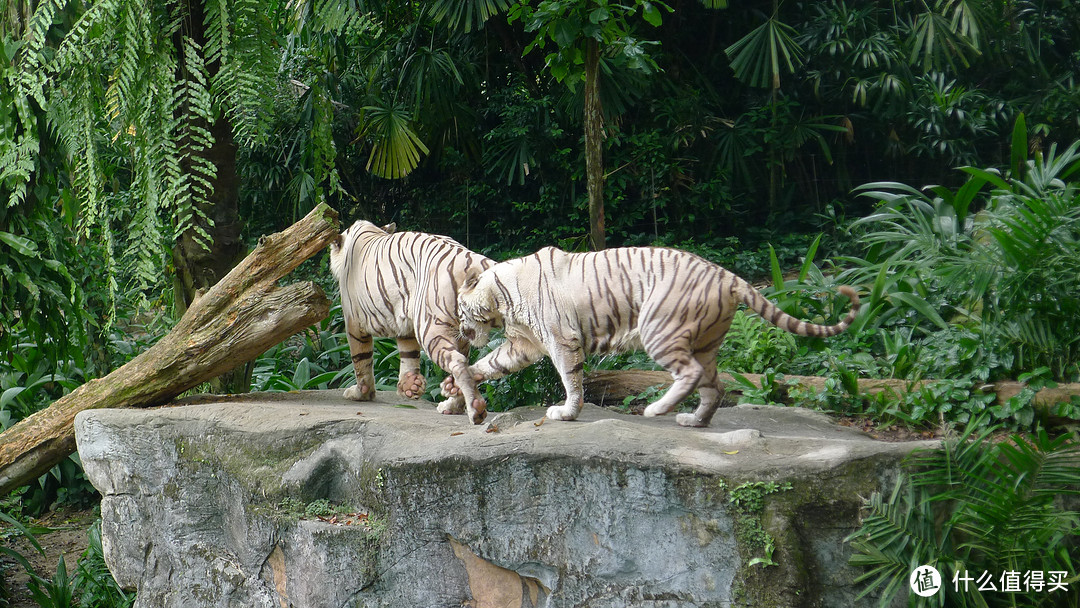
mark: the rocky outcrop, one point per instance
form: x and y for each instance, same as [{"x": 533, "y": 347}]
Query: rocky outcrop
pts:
[{"x": 307, "y": 500}]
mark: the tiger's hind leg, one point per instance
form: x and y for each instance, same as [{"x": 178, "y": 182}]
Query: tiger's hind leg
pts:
[
  {"x": 687, "y": 373},
  {"x": 708, "y": 389},
  {"x": 411, "y": 383},
  {"x": 360, "y": 350}
]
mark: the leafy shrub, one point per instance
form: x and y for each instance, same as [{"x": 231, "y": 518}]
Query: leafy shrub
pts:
[
  {"x": 537, "y": 384},
  {"x": 977, "y": 505},
  {"x": 93, "y": 583},
  {"x": 753, "y": 345},
  {"x": 319, "y": 358},
  {"x": 92, "y": 586},
  {"x": 1004, "y": 263}
]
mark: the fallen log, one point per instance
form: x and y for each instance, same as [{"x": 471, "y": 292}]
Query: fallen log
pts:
[
  {"x": 613, "y": 386},
  {"x": 237, "y": 319}
]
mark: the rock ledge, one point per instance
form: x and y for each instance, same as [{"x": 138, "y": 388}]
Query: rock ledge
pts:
[{"x": 218, "y": 505}]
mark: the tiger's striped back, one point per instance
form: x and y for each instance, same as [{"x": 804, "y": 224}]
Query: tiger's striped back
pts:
[
  {"x": 389, "y": 279},
  {"x": 604, "y": 294}
]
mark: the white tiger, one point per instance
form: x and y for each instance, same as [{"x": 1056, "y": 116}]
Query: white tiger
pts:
[
  {"x": 405, "y": 286},
  {"x": 676, "y": 305}
]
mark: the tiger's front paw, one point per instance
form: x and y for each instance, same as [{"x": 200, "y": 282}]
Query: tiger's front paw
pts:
[
  {"x": 453, "y": 406},
  {"x": 412, "y": 385},
  {"x": 689, "y": 420},
  {"x": 449, "y": 388},
  {"x": 655, "y": 409},
  {"x": 478, "y": 411},
  {"x": 562, "y": 412},
  {"x": 360, "y": 392}
]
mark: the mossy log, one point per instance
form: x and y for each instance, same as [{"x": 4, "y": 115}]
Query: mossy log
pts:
[
  {"x": 612, "y": 386},
  {"x": 237, "y": 319}
]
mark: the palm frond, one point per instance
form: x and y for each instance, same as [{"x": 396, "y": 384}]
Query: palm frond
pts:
[
  {"x": 396, "y": 149},
  {"x": 467, "y": 15},
  {"x": 936, "y": 43},
  {"x": 896, "y": 536},
  {"x": 757, "y": 57},
  {"x": 975, "y": 505}
]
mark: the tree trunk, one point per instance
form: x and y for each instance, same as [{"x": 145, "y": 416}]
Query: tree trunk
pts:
[
  {"x": 594, "y": 145},
  {"x": 232, "y": 323},
  {"x": 200, "y": 263},
  {"x": 612, "y": 386}
]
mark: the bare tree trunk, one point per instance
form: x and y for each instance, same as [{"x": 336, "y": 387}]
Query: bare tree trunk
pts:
[
  {"x": 594, "y": 145},
  {"x": 200, "y": 262},
  {"x": 612, "y": 386},
  {"x": 200, "y": 265},
  {"x": 237, "y": 319}
]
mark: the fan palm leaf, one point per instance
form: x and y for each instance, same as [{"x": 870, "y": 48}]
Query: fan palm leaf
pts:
[
  {"x": 396, "y": 148},
  {"x": 467, "y": 15},
  {"x": 757, "y": 57}
]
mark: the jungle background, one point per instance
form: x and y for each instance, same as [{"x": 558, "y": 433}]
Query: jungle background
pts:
[{"x": 924, "y": 151}]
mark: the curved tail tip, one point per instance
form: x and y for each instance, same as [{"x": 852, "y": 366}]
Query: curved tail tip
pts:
[{"x": 850, "y": 293}]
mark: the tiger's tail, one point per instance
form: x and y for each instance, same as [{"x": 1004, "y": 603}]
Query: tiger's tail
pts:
[{"x": 771, "y": 313}]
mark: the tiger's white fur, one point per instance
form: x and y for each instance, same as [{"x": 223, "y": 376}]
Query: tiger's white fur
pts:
[
  {"x": 405, "y": 285},
  {"x": 674, "y": 304}
]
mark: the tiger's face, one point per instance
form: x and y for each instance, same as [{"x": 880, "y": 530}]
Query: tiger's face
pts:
[{"x": 477, "y": 309}]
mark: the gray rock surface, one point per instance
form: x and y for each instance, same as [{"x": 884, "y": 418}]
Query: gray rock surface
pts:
[{"x": 215, "y": 505}]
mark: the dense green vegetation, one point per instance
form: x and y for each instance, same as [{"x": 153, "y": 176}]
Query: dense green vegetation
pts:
[
  {"x": 976, "y": 507},
  {"x": 923, "y": 151}
]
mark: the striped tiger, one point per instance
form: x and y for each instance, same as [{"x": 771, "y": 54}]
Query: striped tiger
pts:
[
  {"x": 405, "y": 286},
  {"x": 674, "y": 304}
]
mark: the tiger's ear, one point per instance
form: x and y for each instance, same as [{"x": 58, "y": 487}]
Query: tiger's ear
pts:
[
  {"x": 390, "y": 228},
  {"x": 337, "y": 242}
]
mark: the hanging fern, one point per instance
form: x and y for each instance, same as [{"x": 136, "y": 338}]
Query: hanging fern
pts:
[
  {"x": 22, "y": 89},
  {"x": 242, "y": 87},
  {"x": 130, "y": 91}
]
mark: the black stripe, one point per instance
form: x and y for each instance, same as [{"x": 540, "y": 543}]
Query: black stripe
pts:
[
  {"x": 409, "y": 354},
  {"x": 361, "y": 356}
]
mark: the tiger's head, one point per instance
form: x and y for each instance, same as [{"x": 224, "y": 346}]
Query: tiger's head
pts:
[
  {"x": 477, "y": 309},
  {"x": 343, "y": 244}
]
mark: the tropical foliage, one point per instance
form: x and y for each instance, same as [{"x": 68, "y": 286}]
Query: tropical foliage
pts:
[
  {"x": 1002, "y": 258},
  {"x": 974, "y": 510},
  {"x": 145, "y": 143}
]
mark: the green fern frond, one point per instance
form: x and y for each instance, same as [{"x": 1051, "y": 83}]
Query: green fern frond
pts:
[
  {"x": 218, "y": 23},
  {"x": 242, "y": 86},
  {"x": 32, "y": 58}
]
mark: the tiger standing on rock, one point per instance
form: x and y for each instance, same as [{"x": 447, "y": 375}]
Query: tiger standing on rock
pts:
[
  {"x": 674, "y": 304},
  {"x": 405, "y": 286}
]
